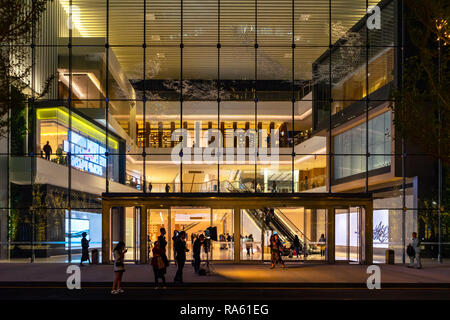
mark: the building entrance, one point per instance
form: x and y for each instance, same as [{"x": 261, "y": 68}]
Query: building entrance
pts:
[{"x": 310, "y": 227}]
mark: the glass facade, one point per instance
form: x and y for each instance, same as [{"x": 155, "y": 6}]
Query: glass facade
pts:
[{"x": 185, "y": 96}]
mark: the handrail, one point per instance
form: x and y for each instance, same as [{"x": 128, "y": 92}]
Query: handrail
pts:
[{"x": 290, "y": 224}]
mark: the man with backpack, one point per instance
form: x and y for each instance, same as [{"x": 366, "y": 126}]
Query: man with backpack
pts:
[{"x": 414, "y": 252}]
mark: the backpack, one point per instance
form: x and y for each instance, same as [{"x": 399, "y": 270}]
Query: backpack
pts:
[{"x": 410, "y": 251}]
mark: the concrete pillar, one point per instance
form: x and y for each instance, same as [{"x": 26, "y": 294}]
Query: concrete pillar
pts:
[
  {"x": 106, "y": 233},
  {"x": 237, "y": 234},
  {"x": 143, "y": 235},
  {"x": 368, "y": 234},
  {"x": 331, "y": 235}
]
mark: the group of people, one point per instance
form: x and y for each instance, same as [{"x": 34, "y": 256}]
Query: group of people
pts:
[
  {"x": 159, "y": 260},
  {"x": 226, "y": 240}
]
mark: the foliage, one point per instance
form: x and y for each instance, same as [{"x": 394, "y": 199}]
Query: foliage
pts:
[{"x": 18, "y": 21}]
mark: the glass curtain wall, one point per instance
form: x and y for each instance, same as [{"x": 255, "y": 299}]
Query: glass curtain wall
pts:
[{"x": 290, "y": 92}]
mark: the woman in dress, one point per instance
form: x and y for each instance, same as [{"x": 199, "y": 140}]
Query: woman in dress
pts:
[
  {"x": 119, "y": 267},
  {"x": 159, "y": 266},
  {"x": 276, "y": 249}
]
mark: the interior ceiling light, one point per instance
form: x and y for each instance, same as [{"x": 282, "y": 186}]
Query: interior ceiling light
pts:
[
  {"x": 156, "y": 37},
  {"x": 151, "y": 16},
  {"x": 304, "y": 17},
  {"x": 161, "y": 55}
]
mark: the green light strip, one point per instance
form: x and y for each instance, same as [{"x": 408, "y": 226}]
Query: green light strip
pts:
[{"x": 61, "y": 114}]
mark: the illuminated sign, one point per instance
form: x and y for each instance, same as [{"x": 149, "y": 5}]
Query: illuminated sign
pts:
[{"x": 87, "y": 155}]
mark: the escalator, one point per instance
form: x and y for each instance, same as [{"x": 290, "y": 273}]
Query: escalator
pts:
[{"x": 277, "y": 221}]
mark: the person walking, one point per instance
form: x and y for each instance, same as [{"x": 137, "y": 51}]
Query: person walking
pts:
[
  {"x": 84, "y": 249},
  {"x": 167, "y": 188},
  {"x": 159, "y": 265},
  {"x": 150, "y": 187},
  {"x": 119, "y": 267},
  {"x": 197, "y": 248},
  {"x": 180, "y": 249},
  {"x": 276, "y": 249},
  {"x": 296, "y": 245},
  {"x": 47, "y": 150},
  {"x": 415, "y": 244},
  {"x": 322, "y": 245}
]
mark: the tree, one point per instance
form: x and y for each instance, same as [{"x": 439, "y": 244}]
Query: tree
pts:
[
  {"x": 422, "y": 105},
  {"x": 19, "y": 20}
]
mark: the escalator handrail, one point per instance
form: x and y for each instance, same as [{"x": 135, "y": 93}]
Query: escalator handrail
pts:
[{"x": 291, "y": 224}]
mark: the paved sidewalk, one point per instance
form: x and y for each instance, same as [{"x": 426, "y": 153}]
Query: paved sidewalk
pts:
[{"x": 231, "y": 274}]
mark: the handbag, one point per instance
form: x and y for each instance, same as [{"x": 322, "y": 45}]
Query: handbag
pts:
[{"x": 160, "y": 263}]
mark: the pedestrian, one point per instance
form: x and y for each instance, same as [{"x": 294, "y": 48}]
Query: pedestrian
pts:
[
  {"x": 197, "y": 248},
  {"x": 150, "y": 187},
  {"x": 174, "y": 239},
  {"x": 229, "y": 240},
  {"x": 47, "y": 150},
  {"x": 84, "y": 249},
  {"x": 322, "y": 244},
  {"x": 167, "y": 188},
  {"x": 163, "y": 244},
  {"x": 119, "y": 267},
  {"x": 415, "y": 244},
  {"x": 276, "y": 248},
  {"x": 180, "y": 249},
  {"x": 296, "y": 245},
  {"x": 192, "y": 238},
  {"x": 159, "y": 265},
  {"x": 274, "y": 187},
  {"x": 249, "y": 244}
]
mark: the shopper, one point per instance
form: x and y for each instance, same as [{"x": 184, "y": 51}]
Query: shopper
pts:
[
  {"x": 197, "y": 249},
  {"x": 296, "y": 245},
  {"x": 276, "y": 248},
  {"x": 84, "y": 249},
  {"x": 415, "y": 243},
  {"x": 322, "y": 244},
  {"x": 158, "y": 263},
  {"x": 47, "y": 150},
  {"x": 180, "y": 249},
  {"x": 163, "y": 244},
  {"x": 119, "y": 267}
]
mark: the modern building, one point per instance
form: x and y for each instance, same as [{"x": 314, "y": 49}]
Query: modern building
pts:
[{"x": 253, "y": 117}]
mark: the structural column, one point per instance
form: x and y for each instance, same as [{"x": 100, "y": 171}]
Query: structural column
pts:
[
  {"x": 331, "y": 235},
  {"x": 143, "y": 233},
  {"x": 237, "y": 234},
  {"x": 368, "y": 234},
  {"x": 106, "y": 233}
]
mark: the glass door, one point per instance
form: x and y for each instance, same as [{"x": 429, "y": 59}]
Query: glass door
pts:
[{"x": 354, "y": 227}]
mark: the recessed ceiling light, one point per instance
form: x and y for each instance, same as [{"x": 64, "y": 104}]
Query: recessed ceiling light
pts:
[{"x": 304, "y": 17}]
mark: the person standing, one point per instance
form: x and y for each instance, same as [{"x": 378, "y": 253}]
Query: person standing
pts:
[
  {"x": 47, "y": 150},
  {"x": 322, "y": 244},
  {"x": 163, "y": 244},
  {"x": 415, "y": 243},
  {"x": 180, "y": 249},
  {"x": 119, "y": 267},
  {"x": 150, "y": 187},
  {"x": 296, "y": 245},
  {"x": 84, "y": 249},
  {"x": 167, "y": 188},
  {"x": 276, "y": 249},
  {"x": 158, "y": 263},
  {"x": 197, "y": 249}
]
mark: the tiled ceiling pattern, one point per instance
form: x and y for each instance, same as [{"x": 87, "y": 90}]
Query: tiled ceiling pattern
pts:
[{"x": 200, "y": 32}]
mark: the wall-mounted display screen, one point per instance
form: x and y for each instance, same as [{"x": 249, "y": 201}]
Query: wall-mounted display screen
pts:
[
  {"x": 77, "y": 227},
  {"x": 87, "y": 155}
]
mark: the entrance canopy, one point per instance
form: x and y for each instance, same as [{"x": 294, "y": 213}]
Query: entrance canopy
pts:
[{"x": 238, "y": 202}]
